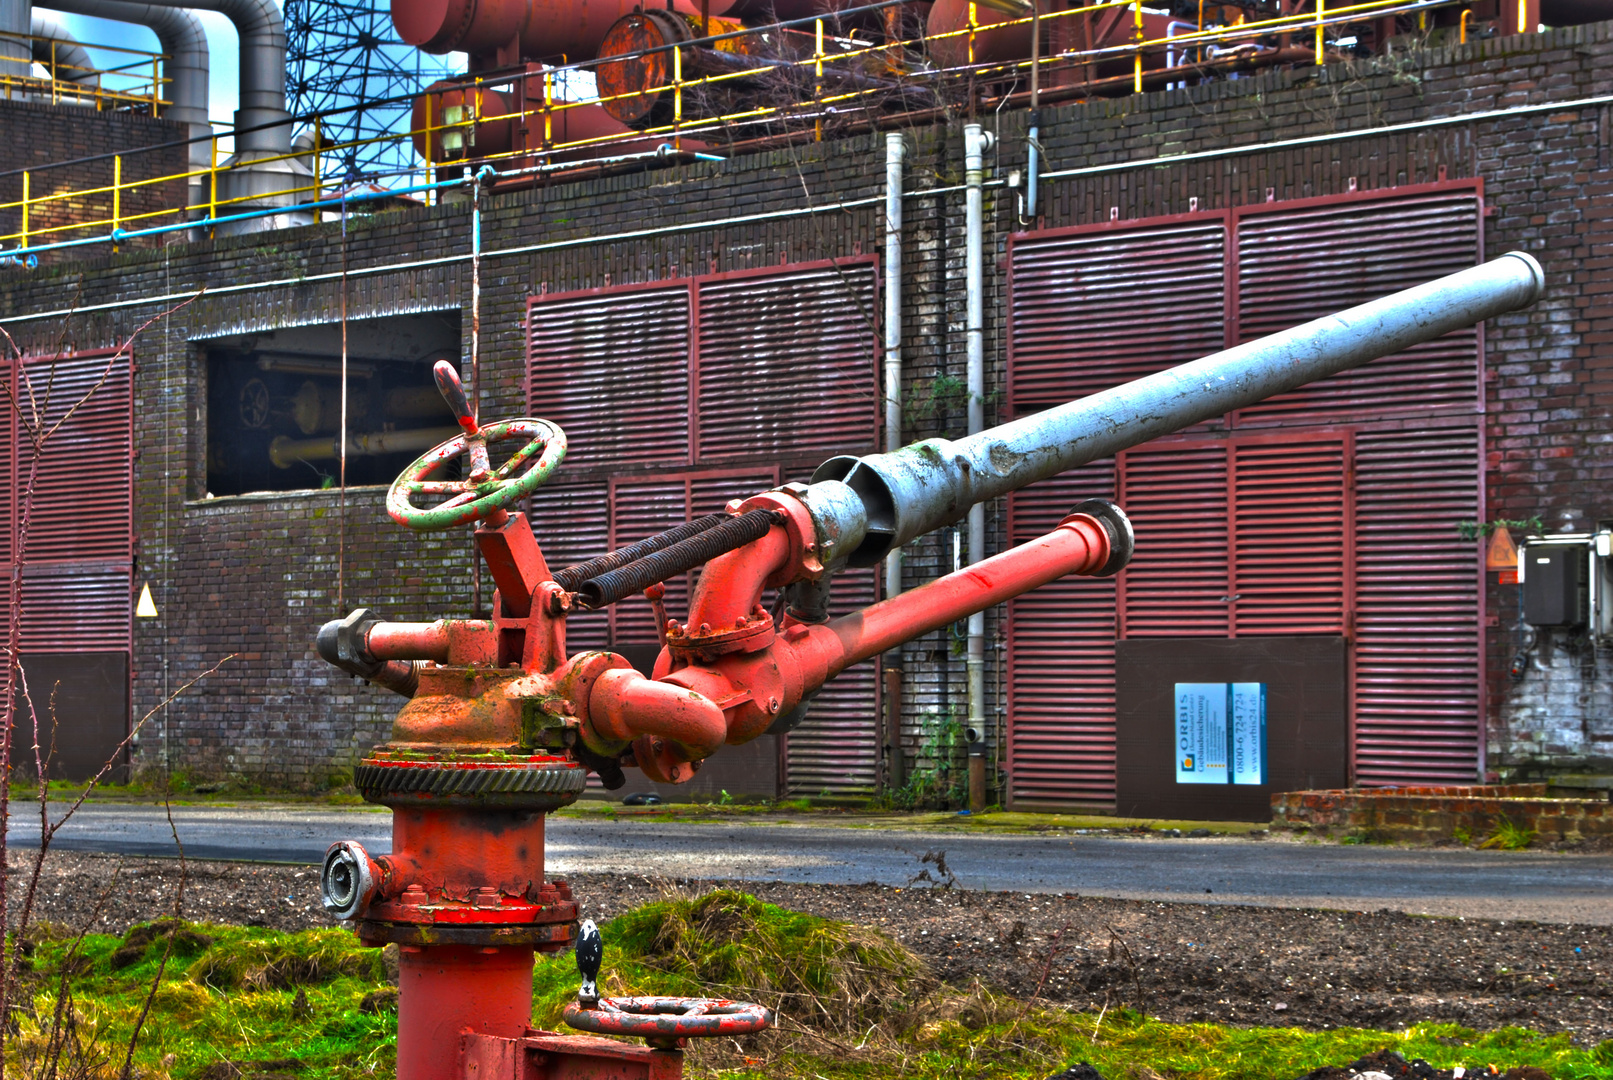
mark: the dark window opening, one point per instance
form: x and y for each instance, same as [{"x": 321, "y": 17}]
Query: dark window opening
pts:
[{"x": 274, "y": 402}]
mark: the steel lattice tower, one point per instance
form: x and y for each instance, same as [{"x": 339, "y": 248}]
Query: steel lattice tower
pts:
[{"x": 343, "y": 54}]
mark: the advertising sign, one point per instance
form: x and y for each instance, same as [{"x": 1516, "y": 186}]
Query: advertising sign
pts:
[{"x": 1220, "y": 733}]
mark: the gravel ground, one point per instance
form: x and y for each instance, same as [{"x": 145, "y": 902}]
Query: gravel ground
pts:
[{"x": 1180, "y": 962}]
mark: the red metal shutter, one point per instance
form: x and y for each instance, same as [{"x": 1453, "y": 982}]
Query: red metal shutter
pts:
[
  {"x": 1176, "y": 495},
  {"x": 612, "y": 369},
  {"x": 1291, "y": 525},
  {"x": 786, "y": 363},
  {"x": 1417, "y": 635},
  {"x": 835, "y": 748},
  {"x": 1095, "y": 308},
  {"x": 1088, "y": 309},
  {"x": 1061, "y": 662},
  {"x": 640, "y": 508},
  {"x": 76, "y": 584},
  {"x": 1299, "y": 264}
]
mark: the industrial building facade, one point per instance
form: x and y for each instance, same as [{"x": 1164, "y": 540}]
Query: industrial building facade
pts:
[{"x": 707, "y": 331}]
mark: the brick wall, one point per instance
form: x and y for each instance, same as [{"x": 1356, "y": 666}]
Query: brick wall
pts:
[
  {"x": 39, "y": 135},
  {"x": 256, "y": 577}
]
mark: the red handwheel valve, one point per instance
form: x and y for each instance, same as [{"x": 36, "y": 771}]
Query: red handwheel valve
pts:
[{"x": 663, "y": 1022}]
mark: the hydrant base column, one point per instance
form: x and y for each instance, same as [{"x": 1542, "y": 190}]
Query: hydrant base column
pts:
[{"x": 446, "y": 990}]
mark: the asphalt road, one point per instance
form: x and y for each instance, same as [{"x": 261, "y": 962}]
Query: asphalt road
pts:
[{"x": 1506, "y": 885}]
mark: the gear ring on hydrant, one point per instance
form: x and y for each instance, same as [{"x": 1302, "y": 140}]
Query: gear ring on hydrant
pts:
[{"x": 664, "y": 1019}]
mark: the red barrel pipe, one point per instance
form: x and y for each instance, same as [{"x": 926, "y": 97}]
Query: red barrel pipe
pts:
[
  {"x": 446, "y": 990},
  {"x": 1079, "y": 545},
  {"x": 754, "y": 688},
  {"x": 409, "y": 641}
]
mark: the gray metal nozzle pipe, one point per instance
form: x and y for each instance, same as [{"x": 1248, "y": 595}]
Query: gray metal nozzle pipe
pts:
[{"x": 864, "y": 507}]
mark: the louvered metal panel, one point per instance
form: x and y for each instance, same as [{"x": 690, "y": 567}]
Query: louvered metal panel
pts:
[
  {"x": 835, "y": 748},
  {"x": 572, "y": 523},
  {"x": 1300, "y": 264},
  {"x": 1092, "y": 309},
  {"x": 82, "y": 497},
  {"x": 76, "y": 587},
  {"x": 1417, "y": 634},
  {"x": 786, "y": 363},
  {"x": 640, "y": 508},
  {"x": 1176, "y": 495},
  {"x": 1061, "y": 653},
  {"x": 612, "y": 369},
  {"x": 76, "y": 606},
  {"x": 1291, "y": 522}
]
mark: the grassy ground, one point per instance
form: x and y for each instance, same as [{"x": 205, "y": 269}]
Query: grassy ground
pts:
[{"x": 854, "y": 1005}]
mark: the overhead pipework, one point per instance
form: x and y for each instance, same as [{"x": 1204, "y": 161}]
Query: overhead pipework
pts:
[
  {"x": 62, "y": 57},
  {"x": 262, "y": 172},
  {"x": 185, "y": 71},
  {"x": 503, "y": 723}
]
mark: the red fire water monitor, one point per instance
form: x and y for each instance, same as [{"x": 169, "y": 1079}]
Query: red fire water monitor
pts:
[{"x": 503, "y": 724}]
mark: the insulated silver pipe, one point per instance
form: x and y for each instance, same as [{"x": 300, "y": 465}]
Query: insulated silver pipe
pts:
[
  {"x": 184, "y": 42},
  {"x": 16, "y": 56},
  {"x": 262, "y": 32},
  {"x": 864, "y": 506},
  {"x": 895, "y": 152},
  {"x": 977, "y": 143},
  {"x": 59, "y": 52}
]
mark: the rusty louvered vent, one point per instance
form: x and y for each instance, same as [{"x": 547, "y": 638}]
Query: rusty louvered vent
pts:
[
  {"x": 78, "y": 568},
  {"x": 1417, "y": 634},
  {"x": 1091, "y": 309},
  {"x": 572, "y": 523},
  {"x": 1061, "y": 662},
  {"x": 1291, "y": 516},
  {"x": 785, "y": 363},
  {"x": 1316, "y": 530},
  {"x": 835, "y": 747},
  {"x": 1301, "y": 264},
  {"x": 612, "y": 369},
  {"x": 1176, "y": 585}
]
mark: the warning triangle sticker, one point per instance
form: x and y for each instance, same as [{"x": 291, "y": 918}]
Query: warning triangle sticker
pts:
[
  {"x": 1503, "y": 553},
  {"x": 146, "y": 608}
]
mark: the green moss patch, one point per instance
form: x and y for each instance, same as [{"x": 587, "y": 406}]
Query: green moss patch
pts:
[{"x": 853, "y": 1004}]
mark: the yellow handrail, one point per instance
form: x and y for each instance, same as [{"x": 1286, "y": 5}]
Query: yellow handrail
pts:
[{"x": 849, "y": 52}]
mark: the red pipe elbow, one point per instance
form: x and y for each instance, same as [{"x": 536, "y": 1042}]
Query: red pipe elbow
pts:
[{"x": 670, "y": 726}]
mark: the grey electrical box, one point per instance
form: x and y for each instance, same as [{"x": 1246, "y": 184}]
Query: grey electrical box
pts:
[{"x": 1556, "y": 584}]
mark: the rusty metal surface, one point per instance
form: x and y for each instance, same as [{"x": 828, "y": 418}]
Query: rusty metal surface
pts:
[{"x": 1418, "y": 635}]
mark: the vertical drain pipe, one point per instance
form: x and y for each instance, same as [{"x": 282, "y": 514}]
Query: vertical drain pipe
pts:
[
  {"x": 895, "y": 772},
  {"x": 977, "y": 143}
]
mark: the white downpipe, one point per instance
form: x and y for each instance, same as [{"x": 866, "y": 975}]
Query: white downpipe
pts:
[
  {"x": 977, "y": 142},
  {"x": 895, "y": 152}
]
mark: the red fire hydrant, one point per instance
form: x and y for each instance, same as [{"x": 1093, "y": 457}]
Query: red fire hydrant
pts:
[{"x": 502, "y": 727}]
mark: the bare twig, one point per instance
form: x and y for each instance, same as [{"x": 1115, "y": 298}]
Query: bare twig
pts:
[{"x": 168, "y": 950}]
